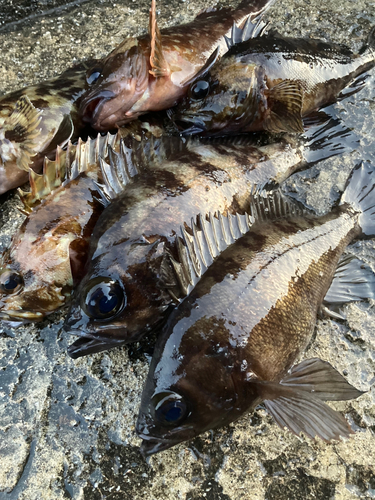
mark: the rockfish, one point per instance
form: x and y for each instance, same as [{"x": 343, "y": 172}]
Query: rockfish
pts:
[
  {"x": 152, "y": 72},
  {"x": 233, "y": 342}
]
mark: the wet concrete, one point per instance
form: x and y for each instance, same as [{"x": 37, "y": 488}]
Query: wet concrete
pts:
[{"x": 67, "y": 427}]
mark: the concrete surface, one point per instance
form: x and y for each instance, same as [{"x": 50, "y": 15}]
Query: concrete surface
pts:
[{"x": 67, "y": 427}]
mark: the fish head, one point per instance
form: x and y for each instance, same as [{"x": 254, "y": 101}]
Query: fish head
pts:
[
  {"x": 191, "y": 386},
  {"x": 115, "y": 85},
  {"x": 119, "y": 298},
  {"x": 228, "y": 97},
  {"x": 35, "y": 284}
]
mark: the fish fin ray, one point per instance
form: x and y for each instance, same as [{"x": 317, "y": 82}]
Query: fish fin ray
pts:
[
  {"x": 285, "y": 100},
  {"x": 273, "y": 205},
  {"x": 353, "y": 280},
  {"x": 301, "y": 412},
  {"x": 359, "y": 193},
  {"x": 158, "y": 63},
  {"x": 320, "y": 378}
]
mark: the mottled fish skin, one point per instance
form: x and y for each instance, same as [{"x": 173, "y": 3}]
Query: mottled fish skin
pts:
[
  {"x": 136, "y": 234},
  {"x": 270, "y": 83},
  {"x": 246, "y": 321},
  {"x": 47, "y": 119},
  {"x": 47, "y": 255},
  {"x": 126, "y": 83}
]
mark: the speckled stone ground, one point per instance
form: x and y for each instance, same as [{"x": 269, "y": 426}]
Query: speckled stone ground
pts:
[{"x": 67, "y": 427}]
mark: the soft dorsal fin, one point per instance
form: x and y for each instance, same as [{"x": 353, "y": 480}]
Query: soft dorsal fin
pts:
[
  {"x": 22, "y": 128},
  {"x": 158, "y": 63},
  {"x": 68, "y": 164}
]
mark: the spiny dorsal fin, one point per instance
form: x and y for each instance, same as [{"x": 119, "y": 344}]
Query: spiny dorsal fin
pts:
[
  {"x": 68, "y": 164},
  {"x": 118, "y": 171},
  {"x": 197, "y": 248},
  {"x": 158, "y": 63},
  {"x": 251, "y": 29},
  {"x": 20, "y": 132}
]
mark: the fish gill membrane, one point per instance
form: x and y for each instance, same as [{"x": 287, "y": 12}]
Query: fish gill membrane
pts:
[
  {"x": 270, "y": 83},
  {"x": 152, "y": 72},
  {"x": 35, "y": 120},
  {"x": 251, "y": 316},
  {"x": 150, "y": 246},
  {"x": 47, "y": 254}
]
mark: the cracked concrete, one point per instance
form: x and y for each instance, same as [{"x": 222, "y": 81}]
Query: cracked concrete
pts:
[{"x": 67, "y": 427}]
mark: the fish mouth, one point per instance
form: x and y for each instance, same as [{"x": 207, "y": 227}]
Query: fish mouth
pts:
[
  {"x": 151, "y": 444},
  {"x": 92, "y": 106},
  {"x": 88, "y": 345},
  {"x": 189, "y": 126},
  {"x": 21, "y": 315}
]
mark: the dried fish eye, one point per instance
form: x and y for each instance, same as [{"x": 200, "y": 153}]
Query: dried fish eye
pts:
[
  {"x": 104, "y": 299},
  {"x": 199, "y": 90},
  {"x": 170, "y": 409},
  {"x": 10, "y": 282},
  {"x": 93, "y": 75}
]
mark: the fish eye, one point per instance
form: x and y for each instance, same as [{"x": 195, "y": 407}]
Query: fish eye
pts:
[
  {"x": 104, "y": 298},
  {"x": 93, "y": 75},
  {"x": 199, "y": 90},
  {"x": 170, "y": 408},
  {"x": 10, "y": 281}
]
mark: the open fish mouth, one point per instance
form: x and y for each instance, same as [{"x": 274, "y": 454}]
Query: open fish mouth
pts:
[
  {"x": 92, "y": 105},
  {"x": 151, "y": 444},
  {"x": 21, "y": 315}
]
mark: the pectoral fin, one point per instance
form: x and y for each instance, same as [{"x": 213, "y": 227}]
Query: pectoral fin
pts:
[
  {"x": 353, "y": 280},
  {"x": 21, "y": 130},
  {"x": 296, "y": 401},
  {"x": 158, "y": 63},
  {"x": 285, "y": 102}
]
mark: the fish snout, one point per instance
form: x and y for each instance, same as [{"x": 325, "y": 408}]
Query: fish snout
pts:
[{"x": 92, "y": 105}]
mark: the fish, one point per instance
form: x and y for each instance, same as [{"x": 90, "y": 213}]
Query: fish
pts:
[
  {"x": 47, "y": 255},
  {"x": 35, "y": 120},
  {"x": 148, "y": 249},
  {"x": 270, "y": 83},
  {"x": 251, "y": 316},
  {"x": 152, "y": 72}
]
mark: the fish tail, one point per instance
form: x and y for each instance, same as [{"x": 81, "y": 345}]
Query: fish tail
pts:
[{"x": 359, "y": 193}]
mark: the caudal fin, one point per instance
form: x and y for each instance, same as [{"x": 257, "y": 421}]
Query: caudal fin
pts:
[{"x": 360, "y": 194}]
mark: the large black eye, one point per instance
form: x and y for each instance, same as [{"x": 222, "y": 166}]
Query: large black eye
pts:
[
  {"x": 93, "y": 75},
  {"x": 199, "y": 90},
  {"x": 10, "y": 282},
  {"x": 171, "y": 409},
  {"x": 104, "y": 299}
]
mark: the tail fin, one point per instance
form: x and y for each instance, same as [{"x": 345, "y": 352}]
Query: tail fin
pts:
[{"x": 359, "y": 193}]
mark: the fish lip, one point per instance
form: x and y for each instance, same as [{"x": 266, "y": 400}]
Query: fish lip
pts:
[
  {"x": 21, "y": 315},
  {"x": 86, "y": 345},
  {"x": 188, "y": 125},
  {"x": 152, "y": 444},
  {"x": 92, "y": 105}
]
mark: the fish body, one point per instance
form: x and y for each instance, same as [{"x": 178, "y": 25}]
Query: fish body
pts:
[
  {"x": 148, "y": 249},
  {"x": 247, "y": 321},
  {"x": 151, "y": 72},
  {"x": 270, "y": 83},
  {"x": 47, "y": 255},
  {"x": 35, "y": 120}
]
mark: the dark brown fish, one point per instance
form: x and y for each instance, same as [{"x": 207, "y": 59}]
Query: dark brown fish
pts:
[
  {"x": 35, "y": 120},
  {"x": 148, "y": 250},
  {"x": 231, "y": 344},
  {"x": 270, "y": 83},
  {"x": 152, "y": 72}
]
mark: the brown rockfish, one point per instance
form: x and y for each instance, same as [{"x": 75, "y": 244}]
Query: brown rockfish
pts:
[
  {"x": 46, "y": 256},
  {"x": 270, "y": 83},
  {"x": 35, "y": 120},
  {"x": 152, "y": 72},
  {"x": 148, "y": 250},
  {"x": 250, "y": 317}
]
